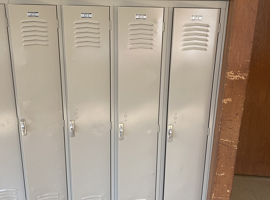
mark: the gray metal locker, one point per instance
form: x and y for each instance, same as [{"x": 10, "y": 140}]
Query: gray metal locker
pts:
[
  {"x": 194, "y": 44},
  {"x": 11, "y": 173},
  {"x": 87, "y": 56},
  {"x": 34, "y": 38},
  {"x": 139, "y": 57}
]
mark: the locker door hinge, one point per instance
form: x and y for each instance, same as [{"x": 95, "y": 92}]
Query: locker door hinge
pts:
[
  {"x": 158, "y": 128},
  {"x": 7, "y": 23},
  {"x": 110, "y": 125},
  {"x": 110, "y": 25},
  {"x": 57, "y": 23},
  {"x": 219, "y": 27},
  {"x": 64, "y": 123},
  {"x": 163, "y": 26},
  {"x": 208, "y": 131}
]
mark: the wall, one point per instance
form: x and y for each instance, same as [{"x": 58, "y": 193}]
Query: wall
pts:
[
  {"x": 236, "y": 64},
  {"x": 253, "y": 155}
]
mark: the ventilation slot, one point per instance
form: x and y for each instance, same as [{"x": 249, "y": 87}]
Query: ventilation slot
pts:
[
  {"x": 8, "y": 194},
  {"x": 195, "y": 37},
  {"x": 87, "y": 33},
  {"x": 94, "y": 197},
  {"x": 50, "y": 196},
  {"x": 34, "y": 32},
  {"x": 141, "y": 35}
]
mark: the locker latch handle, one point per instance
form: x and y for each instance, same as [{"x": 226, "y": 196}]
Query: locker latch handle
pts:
[
  {"x": 23, "y": 127},
  {"x": 170, "y": 133},
  {"x": 121, "y": 131},
  {"x": 72, "y": 128}
]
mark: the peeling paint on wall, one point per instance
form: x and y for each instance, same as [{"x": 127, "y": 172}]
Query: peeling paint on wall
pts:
[
  {"x": 236, "y": 76},
  {"x": 228, "y": 100},
  {"x": 225, "y": 140},
  {"x": 223, "y": 174}
]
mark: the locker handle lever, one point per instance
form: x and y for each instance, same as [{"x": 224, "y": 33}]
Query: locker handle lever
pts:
[
  {"x": 121, "y": 131},
  {"x": 72, "y": 128},
  {"x": 23, "y": 127},
  {"x": 170, "y": 133}
]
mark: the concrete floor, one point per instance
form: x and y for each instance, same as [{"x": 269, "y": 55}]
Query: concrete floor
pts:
[{"x": 251, "y": 188}]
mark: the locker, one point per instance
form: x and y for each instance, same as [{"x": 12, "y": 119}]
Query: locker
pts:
[
  {"x": 194, "y": 44},
  {"x": 11, "y": 173},
  {"x": 139, "y": 64},
  {"x": 34, "y": 37},
  {"x": 87, "y": 56}
]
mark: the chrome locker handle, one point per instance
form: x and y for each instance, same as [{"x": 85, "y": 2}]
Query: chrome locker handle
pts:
[
  {"x": 121, "y": 131},
  {"x": 23, "y": 127},
  {"x": 72, "y": 128},
  {"x": 170, "y": 133}
]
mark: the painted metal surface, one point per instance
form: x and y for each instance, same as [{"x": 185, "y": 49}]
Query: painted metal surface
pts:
[
  {"x": 194, "y": 43},
  {"x": 87, "y": 58},
  {"x": 139, "y": 56},
  {"x": 144, "y": 3},
  {"x": 11, "y": 173},
  {"x": 34, "y": 38}
]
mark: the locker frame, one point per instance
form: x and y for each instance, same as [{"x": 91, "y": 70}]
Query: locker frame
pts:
[
  {"x": 60, "y": 59},
  {"x": 214, "y": 95},
  {"x": 65, "y": 99},
  {"x": 55, "y": 3},
  {"x": 168, "y": 5},
  {"x": 162, "y": 111}
]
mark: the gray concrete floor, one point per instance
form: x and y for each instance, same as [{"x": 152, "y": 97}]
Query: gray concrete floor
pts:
[{"x": 251, "y": 188}]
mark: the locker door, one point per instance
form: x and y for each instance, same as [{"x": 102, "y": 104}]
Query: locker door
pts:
[
  {"x": 11, "y": 174},
  {"x": 87, "y": 54},
  {"x": 140, "y": 44},
  {"x": 38, "y": 86},
  {"x": 192, "y": 67}
]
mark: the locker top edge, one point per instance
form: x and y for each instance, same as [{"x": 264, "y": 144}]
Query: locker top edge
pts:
[
  {"x": 151, "y": 3},
  {"x": 116, "y": 3}
]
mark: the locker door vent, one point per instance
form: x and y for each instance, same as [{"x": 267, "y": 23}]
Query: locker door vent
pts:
[
  {"x": 141, "y": 35},
  {"x": 34, "y": 32},
  {"x": 95, "y": 197},
  {"x": 87, "y": 33},
  {"x": 195, "y": 37},
  {"x": 9, "y": 194},
  {"x": 50, "y": 196}
]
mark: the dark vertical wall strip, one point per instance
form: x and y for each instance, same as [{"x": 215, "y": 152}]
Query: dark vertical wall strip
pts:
[{"x": 253, "y": 155}]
